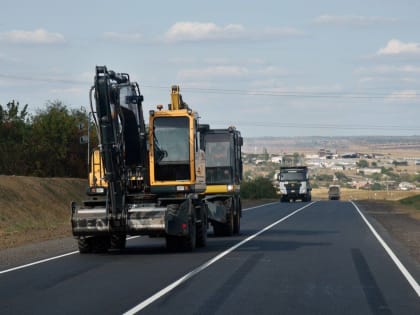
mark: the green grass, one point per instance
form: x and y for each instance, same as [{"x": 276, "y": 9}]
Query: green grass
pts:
[{"x": 413, "y": 201}]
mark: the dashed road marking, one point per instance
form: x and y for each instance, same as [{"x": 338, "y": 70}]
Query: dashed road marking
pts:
[{"x": 197, "y": 270}]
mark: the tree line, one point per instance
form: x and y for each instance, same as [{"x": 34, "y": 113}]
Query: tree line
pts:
[{"x": 44, "y": 144}]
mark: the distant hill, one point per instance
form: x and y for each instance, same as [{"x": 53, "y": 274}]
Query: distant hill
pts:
[{"x": 336, "y": 144}]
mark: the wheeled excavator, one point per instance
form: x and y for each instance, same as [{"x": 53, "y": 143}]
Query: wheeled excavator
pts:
[{"x": 153, "y": 176}]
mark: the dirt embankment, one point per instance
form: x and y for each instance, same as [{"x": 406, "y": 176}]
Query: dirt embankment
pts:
[{"x": 35, "y": 209}]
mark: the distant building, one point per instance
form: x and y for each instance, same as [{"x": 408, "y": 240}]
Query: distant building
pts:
[
  {"x": 277, "y": 159},
  {"x": 369, "y": 171},
  {"x": 325, "y": 153},
  {"x": 406, "y": 186},
  {"x": 350, "y": 155}
]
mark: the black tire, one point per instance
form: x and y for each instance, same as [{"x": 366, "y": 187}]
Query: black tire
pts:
[
  {"x": 118, "y": 241},
  {"x": 84, "y": 245},
  {"x": 188, "y": 243},
  {"x": 237, "y": 217},
  {"x": 201, "y": 228},
  {"x": 229, "y": 226}
]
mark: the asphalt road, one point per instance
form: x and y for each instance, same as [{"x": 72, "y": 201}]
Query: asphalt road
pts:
[{"x": 297, "y": 258}]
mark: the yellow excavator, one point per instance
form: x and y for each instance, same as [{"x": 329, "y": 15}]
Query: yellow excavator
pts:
[{"x": 153, "y": 178}]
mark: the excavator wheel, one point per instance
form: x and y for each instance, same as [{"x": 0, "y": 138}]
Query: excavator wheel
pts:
[
  {"x": 183, "y": 243},
  {"x": 237, "y": 217},
  {"x": 118, "y": 241},
  {"x": 201, "y": 230},
  {"x": 84, "y": 245},
  {"x": 229, "y": 227},
  {"x": 188, "y": 243}
]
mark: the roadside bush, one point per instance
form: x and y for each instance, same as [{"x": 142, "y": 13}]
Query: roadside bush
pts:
[
  {"x": 325, "y": 177},
  {"x": 258, "y": 188}
]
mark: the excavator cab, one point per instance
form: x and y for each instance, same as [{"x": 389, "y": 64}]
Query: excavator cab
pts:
[{"x": 176, "y": 158}]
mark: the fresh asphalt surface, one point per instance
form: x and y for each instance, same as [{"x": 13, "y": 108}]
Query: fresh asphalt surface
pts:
[{"x": 321, "y": 259}]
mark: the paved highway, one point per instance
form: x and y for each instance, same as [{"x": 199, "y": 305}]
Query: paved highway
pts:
[{"x": 297, "y": 258}]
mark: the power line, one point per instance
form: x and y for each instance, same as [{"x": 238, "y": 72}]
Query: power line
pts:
[
  {"x": 413, "y": 95},
  {"x": 320, "y": 126},
  {"x": 345, "y": 95}
]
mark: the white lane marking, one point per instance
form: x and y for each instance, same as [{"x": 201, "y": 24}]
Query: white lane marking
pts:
[
  {"x": 38, "y": 262},
  {"x": 389, "y": 251},
  {"x": 266, "y": 204},
  {"x": 75, "y": 252},
  {"x": 48, "y": 259},
  {"x": 197, "y": 270}
]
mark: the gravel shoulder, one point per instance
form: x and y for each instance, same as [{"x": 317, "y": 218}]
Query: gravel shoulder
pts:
[{"x": 401, "y": 222}]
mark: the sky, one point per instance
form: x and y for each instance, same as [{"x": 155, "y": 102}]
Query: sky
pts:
[{"x": 270, "y": 68}]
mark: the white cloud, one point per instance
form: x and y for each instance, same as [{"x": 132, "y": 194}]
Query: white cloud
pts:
[
  {"x": 402, "y": 96},
  {"x": 214, "y": 72},
  {"x": 397, "y": 47},
  {"x": 123, "y": 37},
  {"x": 38, "y": 36},
  {"x": 385, "y": 69},
  {"x": 196, "y": 31},
  {"x": 353, "y": 20}
]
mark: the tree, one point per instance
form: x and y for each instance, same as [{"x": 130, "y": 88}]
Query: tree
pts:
[
  {"x": 376, "y": 186},
  {"x": 325, "y": 177},
  {"x": 55, "y": 139},
  {"x": 265, "y": 155},
  {"x": 341, "y": 176},
  {"x": 257, "y": 189},
  {"x": 14, "y": 138},
  {"x": 399, "y": 163},
  {"x": 362, "y": 164},
  {"x": 296, "y": 158}
]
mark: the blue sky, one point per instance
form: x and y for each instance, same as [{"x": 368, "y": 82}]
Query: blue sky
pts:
[{"x": 271, "y": 68}]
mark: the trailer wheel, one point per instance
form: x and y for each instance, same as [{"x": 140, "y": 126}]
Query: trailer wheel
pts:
[
  {"x": 229, "y": 223},
  {"x": 237, "y": 223},
  {"x": 84, "y": 245},
  {"x": 201, "y": 240},
  {"x": 118, "y": 241}
]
